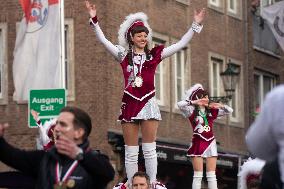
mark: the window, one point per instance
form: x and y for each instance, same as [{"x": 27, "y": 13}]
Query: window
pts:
[
  {"x": 3, "y": 64},
  {"x": 186, "y": 2},
  {"x": 236, "y": 101},
  {"x": 69, "y": 80},
  {"x": 179, "y": 76},
  {"x": 263, "y": 38},
  {"x": 263, "y": 83},
  {"x": 216, "y": 65},
  {"x": 159, "y": 75},
  {"x": 232, "y": 6},
  {"x": 265, "y": 3},
  {"x": 215, "y": 2}
]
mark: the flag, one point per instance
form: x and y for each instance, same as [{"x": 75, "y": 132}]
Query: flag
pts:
[
  {"x": 37, "y": 50},
  {"x": 274, "y": 15}
]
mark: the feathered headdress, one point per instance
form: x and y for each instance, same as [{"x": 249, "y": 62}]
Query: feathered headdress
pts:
[
  {"x": 251, "y": 169},
  {"x": 192, "y": 93},
  {"x": 131, "y": 21}
]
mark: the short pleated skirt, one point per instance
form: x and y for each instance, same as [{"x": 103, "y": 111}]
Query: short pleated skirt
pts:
[
  {"x": 133, "y": 110},
  {"x": 202, "y": 148}
]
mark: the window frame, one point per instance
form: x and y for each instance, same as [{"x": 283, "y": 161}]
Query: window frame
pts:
[
  {"x": 256, "y": 33},
  {"x": 164, "y": 77},
  {"x": 237, "y": 94},
  {"x": 160, "y": 71},
  {"x": 185, "y": 2},
  {"x": 69, "y": 57},
  {"x": 182, "y": 77},
  {"x": 4, "y": 64},
  {"x": 261, "y": 76},
  {"x": 218, "y": 6},
  {"x": 219, "y": 86}
]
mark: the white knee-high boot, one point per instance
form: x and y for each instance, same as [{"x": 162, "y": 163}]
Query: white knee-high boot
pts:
[
  {"x": 197, "y": 178},
  {"x": 131, "y": 161},
  {"x": 150, "y": 156},
  {"x": 211, "y": 179}
]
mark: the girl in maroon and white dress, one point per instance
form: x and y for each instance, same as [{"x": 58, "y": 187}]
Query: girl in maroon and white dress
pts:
[
  {"x": 139, "y": 107},
  {"x": 201, "y": 114}
]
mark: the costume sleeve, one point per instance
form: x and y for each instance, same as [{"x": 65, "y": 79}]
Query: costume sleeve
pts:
[
  {"x": 183, "y": 42},
  {"x": 25, "y": 161},
  {"x": 98, "y": 165},
  {"x": 185, "y": 108},
  {"x": 225, "y": 110},
  {"x": 114, "y": 50},
  {"x": 261, "y": 138}
]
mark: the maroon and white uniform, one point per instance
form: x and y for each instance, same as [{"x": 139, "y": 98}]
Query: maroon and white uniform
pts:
[
  {"x": 202, "y": 133},
  {"x": 135, "y": 98},
  {"x": 140, "y": 102},
  {"x": 203, "y": 140}
]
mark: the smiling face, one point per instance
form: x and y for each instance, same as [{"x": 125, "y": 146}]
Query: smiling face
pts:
[{"x": 139, "y": 41}]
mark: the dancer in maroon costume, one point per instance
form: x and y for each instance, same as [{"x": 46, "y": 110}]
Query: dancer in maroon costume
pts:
[
  {"x": 139, "y": 108},
  {"x": 201, "y": 114}
]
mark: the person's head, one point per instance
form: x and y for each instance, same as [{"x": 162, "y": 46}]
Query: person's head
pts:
[
  {"x": 137, "y": 36},
  {"x": 140, "y": 180},
  {"x": 202, "y": 94},
  {"x": 134, "y": 25},
  {"x": 74, "y": 123},
  {"x": 197, "y": 92}
]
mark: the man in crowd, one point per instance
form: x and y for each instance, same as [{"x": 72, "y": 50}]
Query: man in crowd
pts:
[{"x": 70, "y": 163}]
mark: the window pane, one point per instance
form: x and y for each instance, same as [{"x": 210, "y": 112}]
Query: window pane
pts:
[
  {"x": 232, "y": 4},
  {"x": 157, "y": 84},
  {"x": 267, "y": 85},
  {"x": 257, "y": 91},
  {"x": 1, "y": 62},
  {"x": 179, "y": 89},
  {"x": 178, "y": 64},
  {"x": 66, "y": 57},
  {"x": 234, "y": 105},
  {"x": 215, "y": 77},
  {"x": 263, "y": 37},
  {"x": 158, "y": 73}
]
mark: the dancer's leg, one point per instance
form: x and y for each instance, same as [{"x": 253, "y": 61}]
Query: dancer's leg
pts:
[
  {"x": 210, "y": 172},
  {"x": 149, "y": 132},
  {"x": 198, "y": 172},
  {"x": 130, "y": 135}
]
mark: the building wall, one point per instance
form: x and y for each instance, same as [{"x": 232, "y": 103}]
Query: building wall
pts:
[{"x": 98, "y": 80}]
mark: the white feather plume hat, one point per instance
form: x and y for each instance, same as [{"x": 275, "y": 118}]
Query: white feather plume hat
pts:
[
  {"x": 191, "y": 94},
  {"x": 250, "y": 167},
  {"x": 127, "y": 25}
]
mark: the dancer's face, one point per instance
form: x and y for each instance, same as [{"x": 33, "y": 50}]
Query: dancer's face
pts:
[{"x": 140, "y": 40}]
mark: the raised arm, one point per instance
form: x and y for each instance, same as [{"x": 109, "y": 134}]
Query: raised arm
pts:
[
  {"x": 114, "y": 50},
  {"x": 223, "y": 108},
  {"x": 195, "y": 27},
  {"x": 25, "y": 161},
  {"x": 186, "y": 107}
]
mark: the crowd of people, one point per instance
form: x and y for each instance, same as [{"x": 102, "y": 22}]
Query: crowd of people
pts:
[{"x": 64, "y": 158}]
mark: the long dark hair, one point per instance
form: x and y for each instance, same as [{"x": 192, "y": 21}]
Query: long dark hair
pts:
[{"x": 137, "y": 29}]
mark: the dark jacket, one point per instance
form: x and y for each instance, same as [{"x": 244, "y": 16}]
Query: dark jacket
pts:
[{"x": 94, "y": 171}]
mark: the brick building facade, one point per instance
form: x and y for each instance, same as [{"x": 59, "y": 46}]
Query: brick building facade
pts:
[{"x": 95, "y": 80}]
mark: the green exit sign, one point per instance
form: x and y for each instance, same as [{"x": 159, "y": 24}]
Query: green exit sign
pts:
[{"x": 47, "y": 102}]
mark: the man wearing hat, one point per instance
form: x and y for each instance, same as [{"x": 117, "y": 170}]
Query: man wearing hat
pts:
[{"x": 70, "y": 163}]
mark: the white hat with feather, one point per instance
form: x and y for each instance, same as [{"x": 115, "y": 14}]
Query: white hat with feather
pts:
[{"x": 131, "y": 21}]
